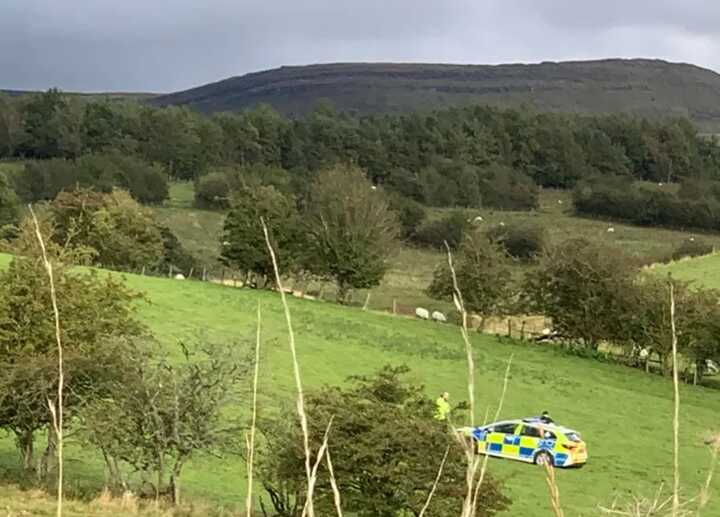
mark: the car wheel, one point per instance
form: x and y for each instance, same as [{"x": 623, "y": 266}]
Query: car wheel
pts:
[{"x": 544, "y": 458}]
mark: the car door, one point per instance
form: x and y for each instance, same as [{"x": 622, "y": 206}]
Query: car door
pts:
[
  {"x": 530, "y": 438},
  {"x": 503, "y": 440}
]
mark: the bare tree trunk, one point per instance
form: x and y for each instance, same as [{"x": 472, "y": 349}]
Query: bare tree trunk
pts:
[
  {"x": 46, "y": 463},
  {"x": 25, "y": 444},
  {"x": 300, "y": 402},
  {"x": 56, "y": 408},
  {"x": 175, "y": 480},
  {"x": 676, "y": 414}
]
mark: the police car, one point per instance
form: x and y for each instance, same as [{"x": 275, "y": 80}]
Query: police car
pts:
[{"x": 530, "y": 440}]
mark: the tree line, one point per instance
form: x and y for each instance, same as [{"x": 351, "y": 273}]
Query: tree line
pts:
[
  {"x": 470, "y": 156},
  {"x": 696, "y": 204},
  {"x": 593, "y": 293}
]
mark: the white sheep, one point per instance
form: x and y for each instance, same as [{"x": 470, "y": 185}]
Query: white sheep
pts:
[
  {"x": 421, "y": 313},
  {"x": 478, "y": 219},
  {"x": 439, "y": 316},
  {"x": 611, "y": 230},
  {"x": 644, "y": 353},
  {"x": 502, "y": 223},
  {"x": 179, "y": 276}
]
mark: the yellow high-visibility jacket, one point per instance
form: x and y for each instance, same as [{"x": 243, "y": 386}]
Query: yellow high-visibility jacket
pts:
[{"x": 442, "y": 409}]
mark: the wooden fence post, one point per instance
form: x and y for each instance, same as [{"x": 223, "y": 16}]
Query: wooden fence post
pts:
[
  {"x": 394, "y": 306},
  {"x": 204, "y": 277}
]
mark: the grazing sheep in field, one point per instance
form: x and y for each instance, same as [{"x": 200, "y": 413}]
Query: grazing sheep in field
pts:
[
  {"x": 502, "y": 223},
  {"x": 611, "y": 230},
  {"x": 478, "y": 219},
  {"x": 421, "y": 313},
  {"x": 644, "y": 353},
  {"x": 179, "y": 276},
  {"x": 439, "y": 316}
]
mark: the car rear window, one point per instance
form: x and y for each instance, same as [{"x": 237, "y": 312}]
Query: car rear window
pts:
[{"x": 573, "y": 437}]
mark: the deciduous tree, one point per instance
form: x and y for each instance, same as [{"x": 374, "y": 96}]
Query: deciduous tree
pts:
[{"x": 351, "y": 231}]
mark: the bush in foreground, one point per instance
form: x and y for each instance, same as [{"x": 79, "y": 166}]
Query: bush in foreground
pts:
[{"x": 386, "y": 449}]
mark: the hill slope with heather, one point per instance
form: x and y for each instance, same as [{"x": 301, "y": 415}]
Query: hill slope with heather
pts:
[{"x": 639, "y": 86}]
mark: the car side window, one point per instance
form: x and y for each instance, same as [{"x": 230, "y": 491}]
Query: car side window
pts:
[
  {"x": 505, "y": 428},
  {"x": 533, "y": 432}
]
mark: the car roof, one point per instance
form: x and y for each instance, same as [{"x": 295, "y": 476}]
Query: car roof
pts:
[{"x": 531, "y": 421}]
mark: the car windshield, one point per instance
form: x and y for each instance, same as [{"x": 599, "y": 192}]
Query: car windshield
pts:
[{"x": 573, "y": 437}]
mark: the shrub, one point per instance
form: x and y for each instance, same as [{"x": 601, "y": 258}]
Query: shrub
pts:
[
  {"x": 379, "y": 471},
  {"x": 216, "y": 189},
  {"x": 163, "y": 413},
  {"x": 410, "y": 213},
  {"x": 213, "y": 191},
  {"x": 404, "y": 183},
  {"x": 95, "y": 311},
  {"x": 243, "y": 240},
  {"x": 450, "y": 229},
  {"x": 43, "y": 180},
  {"x": 9, "y": 205},
  {"x": 523, "y": 241},
  {"x": 120, "y": 233},
  {"x": 483, "y": 276},
  {"x": 506, "y": 189},
  {"x": 692, "y": 248},
  {"x": 174, "y": 253},
  {"x": 587, "y": 289},
  {"x": 621, "y": 200}
]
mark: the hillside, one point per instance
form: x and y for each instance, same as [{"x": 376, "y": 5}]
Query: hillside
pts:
[
  {"x": 701, "y": 271},
  {"x": 412, "y": 268},
  {"x": 582, "y": 393},
  {"x": 638, "y": 86}
]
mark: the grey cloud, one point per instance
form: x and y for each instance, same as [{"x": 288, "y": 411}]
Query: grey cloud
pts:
[{"x": 165, "y": 45}]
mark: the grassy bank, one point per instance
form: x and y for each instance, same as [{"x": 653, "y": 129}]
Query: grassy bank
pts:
[{"x": 623, "y": 413}]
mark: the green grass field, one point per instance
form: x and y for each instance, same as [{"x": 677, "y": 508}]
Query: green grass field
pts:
[
  {"x": 624, "y": 414},
  {"x": 701, "y": 271}
]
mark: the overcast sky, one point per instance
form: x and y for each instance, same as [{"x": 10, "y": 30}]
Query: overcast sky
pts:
[{"x": 168, "y": 45}]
